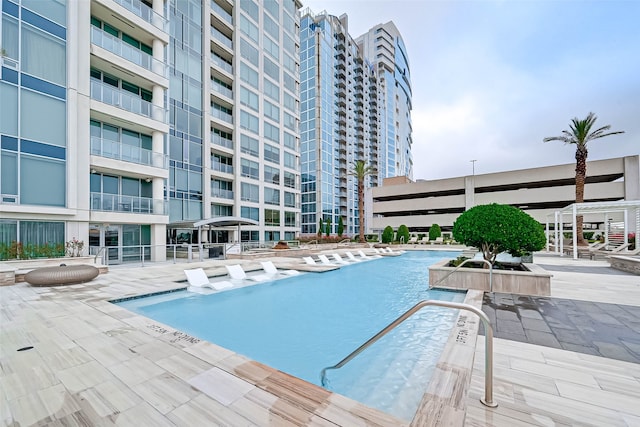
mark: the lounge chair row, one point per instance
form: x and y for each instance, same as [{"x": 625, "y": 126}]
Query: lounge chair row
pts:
[{"x": 197, "y": 277}]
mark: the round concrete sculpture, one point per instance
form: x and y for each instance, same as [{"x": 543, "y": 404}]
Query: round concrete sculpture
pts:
[{"x": 62, "y": 275}]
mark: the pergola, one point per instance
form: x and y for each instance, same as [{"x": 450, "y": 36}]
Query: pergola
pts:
[
  {"x": 630, "y": 210},
  {"x": 225, "y": 221}
]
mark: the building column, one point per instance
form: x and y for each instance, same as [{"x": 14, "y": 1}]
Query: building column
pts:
[
  {"x": 159, "y": 112},
  {"x": 158, "y": 242},
  {"x": 469, "y": 192}
]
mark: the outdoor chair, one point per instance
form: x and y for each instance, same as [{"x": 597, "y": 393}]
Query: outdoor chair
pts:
[
  {"x": 325, "y": 261},
  {"x": 351, "y": 257},
  {"x": 271, "y": 270},
  {"x": 337, "y": 258},
  {"x": 198, "y": 279},
  {"x": 236, "y": 272}
]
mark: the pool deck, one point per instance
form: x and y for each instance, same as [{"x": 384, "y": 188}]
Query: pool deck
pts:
[{"x": 94, "y": 363}]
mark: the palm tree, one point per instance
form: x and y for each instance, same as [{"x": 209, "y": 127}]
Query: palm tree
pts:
[
  {"x": 580, "y": 134},
  {"x": 360, "y": 170}
]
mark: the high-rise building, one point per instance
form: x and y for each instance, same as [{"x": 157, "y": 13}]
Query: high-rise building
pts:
[
  {"x": 384, "y": 47},
  {"x": 125, "y": 121},
  {"x": 351, "y": 109}
]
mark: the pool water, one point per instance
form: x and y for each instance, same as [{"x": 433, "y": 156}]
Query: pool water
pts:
[{"x": 304, "y": 323}]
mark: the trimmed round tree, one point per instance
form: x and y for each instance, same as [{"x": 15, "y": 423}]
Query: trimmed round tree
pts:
[
  {"x": 434, "y": 232},
  {"x": 340, "y": 226},
  {"x": 498, "y": 228},
  {"x": 403, "y": 231},
  {"x": 387, "y": 234}
]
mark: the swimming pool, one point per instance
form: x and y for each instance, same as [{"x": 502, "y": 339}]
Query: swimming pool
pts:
[{"x": 304, "y": 323}]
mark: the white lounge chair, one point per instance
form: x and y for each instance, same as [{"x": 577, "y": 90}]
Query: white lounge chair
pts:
[
  {"x": 351, "y": 257},
  {"x": 391, "y": 251},
  {"x": 309, "y": 260},
  {"x": 325, "y": 261},
  {"x": 237, "y": 273},
  {"x": 337, "y": 258},
  {"x": 365, "y": 256},
  {"x": 271, "y": 270},
  {"x": 424, "y": 240},
  {"x": 198, "y": 279},
  {"x": 413, "y": 240}
]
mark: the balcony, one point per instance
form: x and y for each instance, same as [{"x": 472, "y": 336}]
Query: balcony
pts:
[
  {"x": 219, "y": 140},
  {"x": 221, "y": 63},
  {"x": 221, "y": 167},
  {"x": 222, "y": 194},
  {"x": 223, "y": 90},
  {"x": 218, "y": 10},
  {"x": 128, "y": 153},
  {"x": 112, "y": 95},
  {"x": 220, "y": 37},
  {"x": 127, "y": 204},
  {"x": 128, "y": 52},
  {"x": 145, "y": 12},
  {"x": 219, "y": 114}
]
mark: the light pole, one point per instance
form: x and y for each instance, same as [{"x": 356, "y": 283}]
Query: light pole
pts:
[{"x": 473, "y": 166}]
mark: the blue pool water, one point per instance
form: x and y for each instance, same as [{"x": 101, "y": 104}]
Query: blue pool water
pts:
[{"x": 302, "y": 324}]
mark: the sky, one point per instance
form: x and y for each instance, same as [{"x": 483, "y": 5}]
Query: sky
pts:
[{"x": 491, "y": 79}]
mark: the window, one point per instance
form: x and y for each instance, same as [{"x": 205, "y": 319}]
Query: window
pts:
[
  {"x": 249, "y": 169},
  {"x": 271, "y": 27},
  {"x": 289, "y": 179},
  {"x": 250, "y": 122},
  {"x": 10, "y": 37},
  {"x": 272, "y": 7},
  {"x": 221, "y": 210},
  {"x": 290, "y": 103},
  {"x": 249, "y": 192},
  {"x": 289, "y": 63},
  {"x": 271, "y": 90},
  {"x": 249, "y": 98},
  {"x": 250, "y": 213},
  {"x": 289, "y": 219},
  {"x": 271, "y": 236},
  {"x": 271, "y": 175},
  {"x": 43, "y": 56},
  {"x": 249, "y": 75},
  {"x": 272, "y": 111},
  {"x": 271, "y": 69},
  {"x": 289, "y": 82},
  {"x": 271, "y": 217},
  {"x": 288, "y": 44},
  {"x": 43, "y": 118},
  {"x": 289, "y": 141},
  {"x": 289, "y": 121},
  {"x": 290, "y": 160},
  {"x": 272, "y": 133},
  {"x": 37, "y": 191},
  {"x": 271, "y": 196},
  {"x": 272, "y": 153},
  {"x": 248, "y": 28},
  {"x": 272, "y": 48},
  {"x": 250, "y": 235},
  {"x": 289, "y": 199},
  {"x": 249, "y": 145},
  {"x": 248, "y": 52},
  {"x": 251, "y": 8},
  {"x": 40, "y": 233}
]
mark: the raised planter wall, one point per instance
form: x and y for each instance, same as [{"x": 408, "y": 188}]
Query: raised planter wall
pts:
[
  {"x": 625, "y": 263},
  {"x": 536, "y": 281}
]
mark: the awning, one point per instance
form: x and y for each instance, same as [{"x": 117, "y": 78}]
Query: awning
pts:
[{"x": 225, "y": 221}]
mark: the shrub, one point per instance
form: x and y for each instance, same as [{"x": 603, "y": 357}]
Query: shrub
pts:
[
  {"x": 328, "y": 227},
  {"x": 498, "y": 228},
  {"x": 371, "y": 237},
  {"x": 320, "y": 227},
  {"x": 434, "y": 232},
  {"x": 387, "y": 234},
  {"x": 403, "y": 234},
  {"x": 340, "y": 226}
]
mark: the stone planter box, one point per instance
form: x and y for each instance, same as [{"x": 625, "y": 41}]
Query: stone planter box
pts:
[
  {"x": 625, "y": 263},
  {"x": 536, "y": 281}
]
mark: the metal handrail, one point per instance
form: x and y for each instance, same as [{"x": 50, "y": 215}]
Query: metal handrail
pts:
[
  {"x": 344, "y": 241},
  {"x": 95, "y": 258},
  {"x": 460, "y": 266},
  {"x": 488, "y": 331}
]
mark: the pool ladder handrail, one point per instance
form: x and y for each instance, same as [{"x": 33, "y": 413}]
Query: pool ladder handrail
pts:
[
  {"x": 460, "y": 266},
  {"x": 488, "y": 364}
]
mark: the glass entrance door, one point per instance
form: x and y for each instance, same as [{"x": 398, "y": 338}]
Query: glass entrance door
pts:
[{"x": 112, "y": 243}]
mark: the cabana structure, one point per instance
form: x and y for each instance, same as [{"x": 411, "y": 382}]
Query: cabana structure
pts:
[{"x": 627, "y": 211}]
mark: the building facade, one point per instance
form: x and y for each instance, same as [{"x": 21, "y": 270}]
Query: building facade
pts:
[
  {"x": 537, "y": 191},
  {"x": 348, "y": 112},
  {"x": 121, "y": 119}
]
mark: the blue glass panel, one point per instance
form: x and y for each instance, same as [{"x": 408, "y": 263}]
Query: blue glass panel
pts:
[
  {"x": 9, "y": 143},
  {"x": 44, "y": 24},
  {"x": 9, "y": 75},
  {"x": 10, "y": 8},
  {"x": 40, "y": 149},
  {"x": 43, "y": 86}
]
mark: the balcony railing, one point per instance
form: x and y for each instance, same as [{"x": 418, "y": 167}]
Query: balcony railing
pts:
[
  {"x": 223, "y": 142},
  {"x": 225, "y": 91},
  {"x": 111, "y": 95},
  {"x": 221, "y": 167},
  {"x": 221, "y": 62},
  {"x": 128, "y": 153},
  {"x": 218, "y": 35},
  {"x": 223, "y": 194},
  {"x": 145, "y": 12},
  {"x": 127, "y": 204},
  {"x": 218, "y": 114},
  {"x": 128, "y": 52},
  {"x": 221, "y": 12}
]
